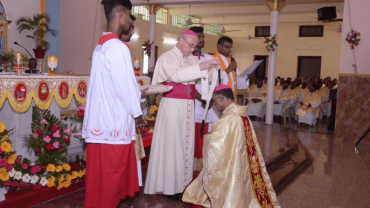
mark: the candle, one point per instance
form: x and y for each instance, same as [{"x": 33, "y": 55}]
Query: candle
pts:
[{"x": 18, "y": 55}]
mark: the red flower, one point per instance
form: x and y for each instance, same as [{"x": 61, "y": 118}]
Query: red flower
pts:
[
  {"x": 36, "y": 186},
  {"x": 67, "y": 140},
  {"x": 18, "y": 161},
  {"x": 38, "y": 168},
  {"x": 9, "y": 167},
  {"x": 1, "y": 150},
  {"x": 24, "y": 185},
  {"x": 49, "y": 147},
  {"x": 50, "y": 135},
  {"x": 25, "y": 166},
  {"x": 80, "y": 113},
  {"x": 33, "y": 170},
  {"x": 7, "y": 183},
  {"x": 54, "y": 129},
  {"x": 3, "y": 162},
  {"x": 61, "y": 147},
  {"x": 15, "y": 184},
  {"x": 39, "y": 132},
  {"x": 38, "y": 151}
]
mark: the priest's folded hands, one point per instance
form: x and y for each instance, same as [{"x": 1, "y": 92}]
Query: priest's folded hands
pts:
[{"x": 208, "y": 65}]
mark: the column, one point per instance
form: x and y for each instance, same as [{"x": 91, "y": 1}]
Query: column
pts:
[
  {"x": 152, "y": 8},
  {"x": 275, "y": 6}
]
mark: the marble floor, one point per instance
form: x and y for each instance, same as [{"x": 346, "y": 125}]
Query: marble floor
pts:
[{"x": 337, "y": 175}]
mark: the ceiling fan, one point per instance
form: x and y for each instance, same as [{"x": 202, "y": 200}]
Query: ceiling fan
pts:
[{"x": 223, "y": 30}]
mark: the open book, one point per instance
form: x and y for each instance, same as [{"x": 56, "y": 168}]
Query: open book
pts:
[{"x": 251, "y": 68}]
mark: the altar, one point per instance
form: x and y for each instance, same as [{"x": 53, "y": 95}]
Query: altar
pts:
[{"x": 57, "y": 93}]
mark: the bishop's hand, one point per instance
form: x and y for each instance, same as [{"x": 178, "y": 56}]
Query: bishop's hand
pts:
[{"x": 209, "y": 64}]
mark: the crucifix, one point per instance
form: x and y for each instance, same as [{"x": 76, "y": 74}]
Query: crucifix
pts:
[
  {"x": 204, "y": 78},
  {"x": 188, "y": 91}
]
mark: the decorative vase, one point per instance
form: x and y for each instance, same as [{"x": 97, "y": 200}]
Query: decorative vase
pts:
[
  {"x": 18, "y": 67},
  {"x": 39, "y": 53}
]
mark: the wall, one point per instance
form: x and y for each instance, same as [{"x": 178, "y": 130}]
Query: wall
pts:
[
  {"x": 53, "y": 10},
  {"x": 16, "y": 9},
  {"x": 291, "y": 46},
  {"x": 80, "y": 34},
  {"x": 353, "y": 109}
]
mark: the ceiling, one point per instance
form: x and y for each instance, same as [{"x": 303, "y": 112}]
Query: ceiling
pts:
[{"x": 239, "y": 14}]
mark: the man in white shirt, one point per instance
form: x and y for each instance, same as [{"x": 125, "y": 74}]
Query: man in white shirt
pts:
[
  {"x": 213, "y": 115},
  {"x": 112, "y": 109},
  {"x": 230, "y": 72}
]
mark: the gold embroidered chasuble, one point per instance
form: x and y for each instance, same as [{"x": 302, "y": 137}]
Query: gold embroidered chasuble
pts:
[
  {"x": 234, "y": 172},
  {"x": 314, "y": 100}
]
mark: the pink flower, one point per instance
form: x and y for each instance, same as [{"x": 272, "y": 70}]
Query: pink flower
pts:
[
  {"x": 1, "y": 150},
  {"x": 82, "y": 107},
  {"x": 7, "y": 183},
  {"x": 38, "y": 168},
  {"x": 44, "y": 121},
  {"x": 56, "y": 144},
  {"x": 9, "y": 167},
  {"x": 33, "y": 170},
  {"x": 56, "y": 134},
  {"x": 67, "y": 131},
  {"x": 47, "y": 139},
  {"x": 18, "y": 161},
  {"x": 35, "y": 135},
  {"x": 25, "y": 166},
  {"x": 3, "y": 162}
]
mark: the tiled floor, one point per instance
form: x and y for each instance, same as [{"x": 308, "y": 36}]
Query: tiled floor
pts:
[{"x": 338, "y": 177}]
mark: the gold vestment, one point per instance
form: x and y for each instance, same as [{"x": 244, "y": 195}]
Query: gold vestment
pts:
[{"x": 234, "y": 172}]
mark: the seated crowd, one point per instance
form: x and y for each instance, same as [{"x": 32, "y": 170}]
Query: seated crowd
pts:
[{"x": 303, "y": 99}]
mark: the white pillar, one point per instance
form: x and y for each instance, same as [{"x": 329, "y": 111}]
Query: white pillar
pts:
[
  {"x": 152, "y": 22},
  {"x": 152, "y": 8},
  {"x": 271, "y": 70}
]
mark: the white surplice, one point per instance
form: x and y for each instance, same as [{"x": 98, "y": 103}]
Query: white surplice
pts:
[
  {"x": 213, "y": 115},
  {"x": 113, "y": 96},
  {"x": 172, "y": 152}
]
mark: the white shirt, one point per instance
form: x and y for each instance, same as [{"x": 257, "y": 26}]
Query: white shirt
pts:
[
  {"x": 241, "y": 82},
  {"x": 113, "y": 97}
]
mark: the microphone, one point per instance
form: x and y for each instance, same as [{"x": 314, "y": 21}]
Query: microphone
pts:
[
  {"x": 232, "y": 59},
  {"x": 24, "y": 48}
]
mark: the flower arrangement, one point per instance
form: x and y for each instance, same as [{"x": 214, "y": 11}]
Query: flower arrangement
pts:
[
  {"x": 152, "y": 113},
  {"x": 271, "y": 43},
  {"x": 49, "y": 140},
  {"x": 10, "y": 57},
  {"x": 19, "y": 174},
  {"x": 147, "y": 46},
  {"x": 353, "y": 37}
]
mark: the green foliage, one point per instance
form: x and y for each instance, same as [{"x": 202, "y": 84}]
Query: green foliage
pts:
[{"x": 38, "y": 26}]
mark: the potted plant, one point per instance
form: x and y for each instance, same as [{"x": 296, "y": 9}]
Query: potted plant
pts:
[{"x": 38, "y": 26}]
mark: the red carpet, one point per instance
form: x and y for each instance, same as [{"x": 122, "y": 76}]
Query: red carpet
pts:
[{"x": 27, "y": 198}]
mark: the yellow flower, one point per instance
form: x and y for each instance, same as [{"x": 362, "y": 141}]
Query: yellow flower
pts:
[
  {"x": 3, "y": 169},
  {"x": 84, "y": 172},
  {"x": 2, "y": 127},
  {"x": 50, "y": 168},
  {"x": 51, "y": 181},
  {"x": 4, "y": 138},
  {"x": 66, "y": 167},
  {"x": 67, "y": 184},
  {"x": 58, "y": 168},
  {"x": 68, "y": 178},
  {"x": 6, "y": 147},
  {"x": 155, "y": 107},
  {"x": 12, "y": 159},
  {"x": 60, "y": 185},
  {"x": 4, "y": 176},
  {"x": 74, "y": 174},
  {"x": 80, "y": 173},
  {"x": 61, "y": 179},
  {"x": 151, "y": 111}
]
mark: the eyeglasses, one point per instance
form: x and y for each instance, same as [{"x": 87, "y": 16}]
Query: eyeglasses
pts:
[
  {"x": 191, "y": 46},
  {"x": 213, "y": 101}
]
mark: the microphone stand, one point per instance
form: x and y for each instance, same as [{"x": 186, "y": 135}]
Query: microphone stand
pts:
[{"x": 24, "y": 48}]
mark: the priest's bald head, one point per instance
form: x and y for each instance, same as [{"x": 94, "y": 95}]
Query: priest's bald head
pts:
[
  {"x": 222, "y": 97},
  {"x": 187, "y": 43}
]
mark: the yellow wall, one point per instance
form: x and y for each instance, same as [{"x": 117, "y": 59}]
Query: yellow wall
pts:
[{"x": 290, "y": 47}]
